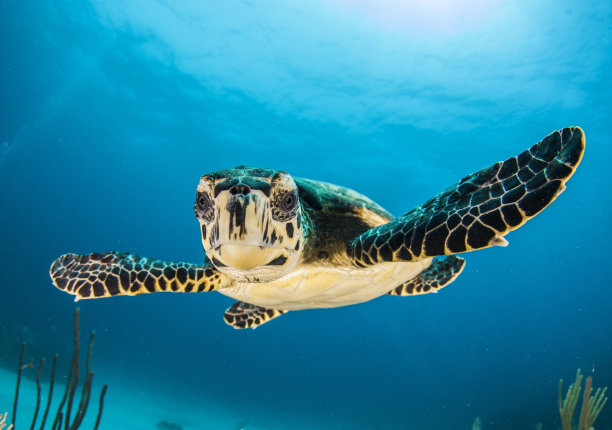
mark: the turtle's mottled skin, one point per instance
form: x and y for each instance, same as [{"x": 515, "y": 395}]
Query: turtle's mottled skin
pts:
[{"x": 277, "y": 243}]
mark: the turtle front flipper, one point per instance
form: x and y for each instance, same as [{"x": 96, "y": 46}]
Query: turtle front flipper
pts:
[
  {"x": 246, "y": 315},
  {"x": 92, "y": 276},
  {"x": 439, "y": 274},
  {"x": 479, "y": 210}
]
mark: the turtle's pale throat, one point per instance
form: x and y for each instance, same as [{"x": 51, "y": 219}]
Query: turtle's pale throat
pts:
[{"x": 245, "y": 257}]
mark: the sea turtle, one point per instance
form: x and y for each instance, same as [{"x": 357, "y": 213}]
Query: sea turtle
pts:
[{"x": 277, "y": 243}]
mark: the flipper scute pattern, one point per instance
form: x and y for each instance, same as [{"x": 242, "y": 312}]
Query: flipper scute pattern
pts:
[
  {"x": 442, "y": 272},
  {"x": 93, "y": 276},
  {"x": 245, "y": 315},
  {"x": 479, "y": 210}
]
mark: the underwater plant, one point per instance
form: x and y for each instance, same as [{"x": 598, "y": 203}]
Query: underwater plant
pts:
[
  {"x": 591, "y": 404},
  {"x": 64, "y": 411},
  {"x": 476, "y": 424},
  {"x": 3, "y": 422}
]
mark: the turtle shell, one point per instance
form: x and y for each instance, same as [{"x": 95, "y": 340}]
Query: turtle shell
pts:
[{"x": 333, "y": 217}]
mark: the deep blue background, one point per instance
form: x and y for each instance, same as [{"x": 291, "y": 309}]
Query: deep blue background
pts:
[{"x": 110, "y": 113}]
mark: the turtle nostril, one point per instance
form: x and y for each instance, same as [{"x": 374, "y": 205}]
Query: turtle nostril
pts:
[{"x": 240, "y": 189}]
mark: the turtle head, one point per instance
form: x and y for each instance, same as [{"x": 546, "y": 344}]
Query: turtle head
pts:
[{"x": 251, "y": 222}]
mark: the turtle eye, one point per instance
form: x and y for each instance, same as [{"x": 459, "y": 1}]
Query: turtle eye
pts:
[
  {"x": 204, "y": 206},
  {"x": 204, "y": 203},
  {"x": 288, "y": 202}
]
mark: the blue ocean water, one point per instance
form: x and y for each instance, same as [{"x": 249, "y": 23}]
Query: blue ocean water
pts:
[{"x": 110, "y": 111}]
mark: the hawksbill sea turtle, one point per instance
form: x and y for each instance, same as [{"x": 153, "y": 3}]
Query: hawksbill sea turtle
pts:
[{"x": 277, "y": 243}]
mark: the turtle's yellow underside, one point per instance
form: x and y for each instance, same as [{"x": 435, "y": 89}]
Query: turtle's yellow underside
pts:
[{"x": 324, "y": 286}]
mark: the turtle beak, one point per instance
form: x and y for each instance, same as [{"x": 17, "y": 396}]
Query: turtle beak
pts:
[{"x": 245, "y": 257}]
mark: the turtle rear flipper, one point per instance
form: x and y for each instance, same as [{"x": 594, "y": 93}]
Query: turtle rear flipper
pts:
[
  {"x": 480, "y": 209},
  {"x": 439, "y": 274},
  {"x": 92, "y": 276},
  {"x": 246, "y": 315}
]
